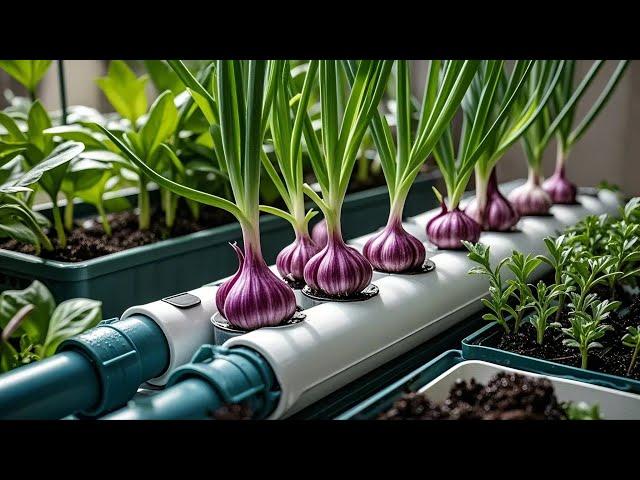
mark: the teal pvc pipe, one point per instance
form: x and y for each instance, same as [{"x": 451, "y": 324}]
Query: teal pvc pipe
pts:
[
  {"x": 48, "y": 389},
  {"x": 92, "y": 373},
  {"x": 191, "y": 399},
  {"x": 215, "y": 377}
]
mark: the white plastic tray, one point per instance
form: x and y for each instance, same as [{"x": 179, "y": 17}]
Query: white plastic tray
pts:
[{"x": 614, "y": 404}]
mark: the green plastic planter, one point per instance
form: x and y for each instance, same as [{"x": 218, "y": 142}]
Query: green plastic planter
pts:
[
  {"x": 150, "y": 272},
  {"x": 384, "y": 399},
  {"x": 481, "y": 345}
]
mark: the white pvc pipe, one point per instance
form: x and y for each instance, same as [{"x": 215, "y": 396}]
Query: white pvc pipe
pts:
[{"x": 339, "y": 342}]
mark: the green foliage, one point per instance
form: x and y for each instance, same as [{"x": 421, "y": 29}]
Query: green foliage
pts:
[
  {"x": 631, "y": 339},
  {"x": 32, "y": 327},
  {"x": 586, "y": 316},
  {"x": 522, "y": 267},
  {"x": 582, "y": 411},
  {"x": 17, "y": 219},
  {"x": 27, "y": 72},
  {"x": 163, "y": 77},
  {"x": 544, "y": 305},
  {"x": 499, "y": 295},
  {"x": 125, "y": 91}
]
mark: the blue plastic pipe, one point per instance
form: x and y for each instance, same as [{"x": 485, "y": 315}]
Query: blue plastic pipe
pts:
[
  {"x": 52, "y": 388},
  {"x": 92, "y": 373},
  {"x": 216, "y": 377}
]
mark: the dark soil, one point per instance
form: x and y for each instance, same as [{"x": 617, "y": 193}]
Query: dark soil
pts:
[
  {"x": 233, "y": 412},
  {"x": 89, "y": 241},
  {"x": 507, "y": 396},
  {"x": 612, "y": 359}
]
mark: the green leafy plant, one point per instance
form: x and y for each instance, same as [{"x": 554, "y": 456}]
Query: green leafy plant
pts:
[
  {"x": 522, "y": 267},
  {"x": 582, "y": 411},
  {"x": 27, "y": 72},
  {"x": 586, "y": 316},
  {"x": 125, "y": 91},
  {"x": 498, "y": 301},
  {"x": 17, "y": 219},
  {"x": 32, "y": 327},
  {"x": 35, "y": 147},
  {"x": 87, "y": 178},
  {"x": 544, "y": 307},
  {"x": 163, "y": 77},
  {"x": 631, "y": 339},
  {"x": 587, "y": 274}
]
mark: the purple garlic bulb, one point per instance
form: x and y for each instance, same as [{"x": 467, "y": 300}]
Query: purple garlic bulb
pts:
[
  {"x": 530, "y": 198},
  {"x": 258, "y": 298},
  {"x": 319, "y": 233},
  {"x": 292, "y": 259},
  {"x": 449, "y": 228},
  {"x": 223, "y": 290},
  {"x": 559, "y": 189},
  {"x": 394, "y": 250},
  {"x": 338, "y": 269},
  {"x": 498, "y": 215}
]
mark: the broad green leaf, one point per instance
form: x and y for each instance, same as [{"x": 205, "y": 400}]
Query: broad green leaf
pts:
[
  {"x": 11, "y": 301},
  {"x": 70, "y": 318},
  {"x": 62, "y": 154},
  {"x": 161, "y": 123},
  {"x": 18, "y": 232},
  {"x": 163, "y": 76},
  {"x": 12, "y": 128},
  {"x": 38, "y": 121},
  {"x": 77, "y": 134},
  {"x": 125, "y": 92},
  {"x": 27, "y": 72}
]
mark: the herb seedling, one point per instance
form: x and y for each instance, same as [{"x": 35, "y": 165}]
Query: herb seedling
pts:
[
  {"x": 587, "y": 274},
  {"x": 631, "y": 339},
  {"x": 624, "y": 246},
  {"x": 498, "y": 301},
  {"x": 582, "y": 411},
  {"x": 522, "y": 267},
  {"x": 544, "y": 307},
  {"x": 587, "y": 314}
]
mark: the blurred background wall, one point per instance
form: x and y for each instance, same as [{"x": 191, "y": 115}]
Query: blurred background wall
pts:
[{"x": 609, "y": 150}]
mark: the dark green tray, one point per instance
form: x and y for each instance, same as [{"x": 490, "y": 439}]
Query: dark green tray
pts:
[
  {"x": 384, "y": 399},
  {"x": 481, "y": 346},
  {"x": 147, "y": 273}
]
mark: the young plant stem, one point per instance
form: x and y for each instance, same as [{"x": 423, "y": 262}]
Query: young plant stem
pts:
[
  {"x": 59, "y": 227},
  {"x": 68, "y": 213},
  {"x": 103, "y": 219},
  {"x": 633, "y": 358},
  {"x": 170, "y": 211},
  {"x": 144, "y": 215},
  {"x": 584, "y": 353}
]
